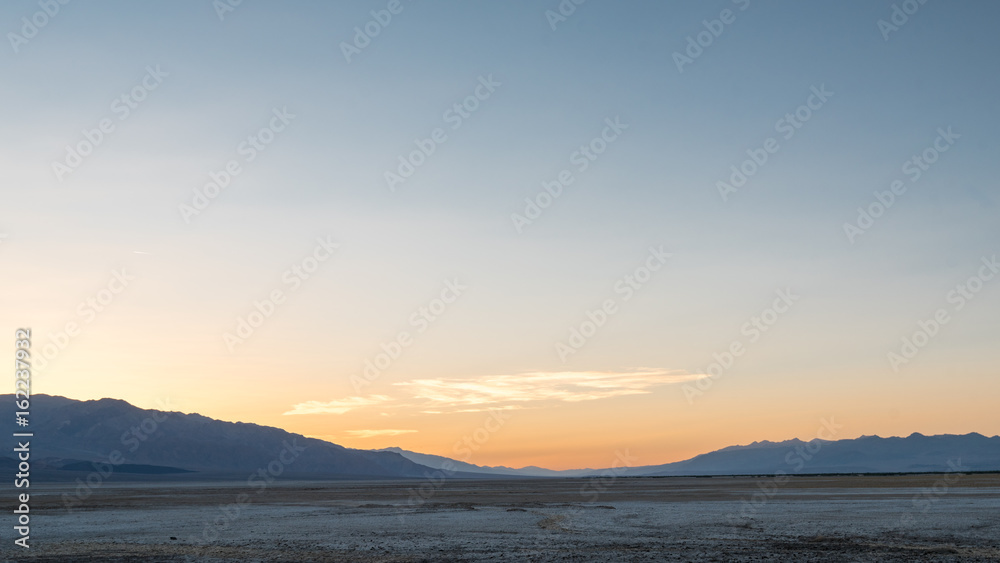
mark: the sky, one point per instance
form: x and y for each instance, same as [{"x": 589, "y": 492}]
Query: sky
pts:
[{"x": 512, "y": 233}]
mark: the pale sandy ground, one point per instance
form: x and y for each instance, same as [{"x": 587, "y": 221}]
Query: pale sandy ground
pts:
[{"x": 807, "y": 519}]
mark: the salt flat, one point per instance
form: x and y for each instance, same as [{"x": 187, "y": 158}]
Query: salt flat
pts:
[{"x": 809, "y": 518}]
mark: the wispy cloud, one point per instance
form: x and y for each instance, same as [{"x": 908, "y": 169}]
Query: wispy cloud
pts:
[
  {"x": 493, "y": 391},
  {"x": 339, "y": 406},
  {"x": 439, "y": 396}
]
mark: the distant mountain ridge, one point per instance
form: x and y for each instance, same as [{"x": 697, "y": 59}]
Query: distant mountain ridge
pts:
[
  {"x": 70, "y": 435},
  {"x": 438, "y": 462},
  {"x": 67, "y": 432},
  {"x": 915, "y": 453}
]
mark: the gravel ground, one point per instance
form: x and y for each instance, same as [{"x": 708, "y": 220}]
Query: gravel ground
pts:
[{"x": 807, "y": 519}]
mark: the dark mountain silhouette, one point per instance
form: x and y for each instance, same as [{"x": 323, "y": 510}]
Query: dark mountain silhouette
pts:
[
  {"x": 915, "y": 453},
  {"x": 439, "y": 462},
  {"x": 70, "y": 434},
  {"x": 868, "y": 454}
]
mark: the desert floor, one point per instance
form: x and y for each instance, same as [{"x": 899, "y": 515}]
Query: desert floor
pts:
[{"x": 854, "y": 518}]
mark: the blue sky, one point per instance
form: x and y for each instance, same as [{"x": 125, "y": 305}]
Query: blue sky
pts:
[{"x": 655, "y": 185}]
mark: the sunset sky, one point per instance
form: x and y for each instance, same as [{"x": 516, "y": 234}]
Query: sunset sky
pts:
[{"x": 470, "y": 295}]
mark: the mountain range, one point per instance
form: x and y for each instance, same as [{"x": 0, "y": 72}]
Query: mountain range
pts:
[
  {"x": 67, "y": 432},
  {"x": 70, "y": 436}
]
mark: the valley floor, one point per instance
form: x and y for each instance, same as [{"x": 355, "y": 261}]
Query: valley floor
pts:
[{"x": 855, "y": 518}]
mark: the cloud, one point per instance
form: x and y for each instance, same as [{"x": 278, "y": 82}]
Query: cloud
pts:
[
  {"x": 339, "y": 406},
  {"x": 509, "y": 391},
  {"x": 374, "y": 433}
]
